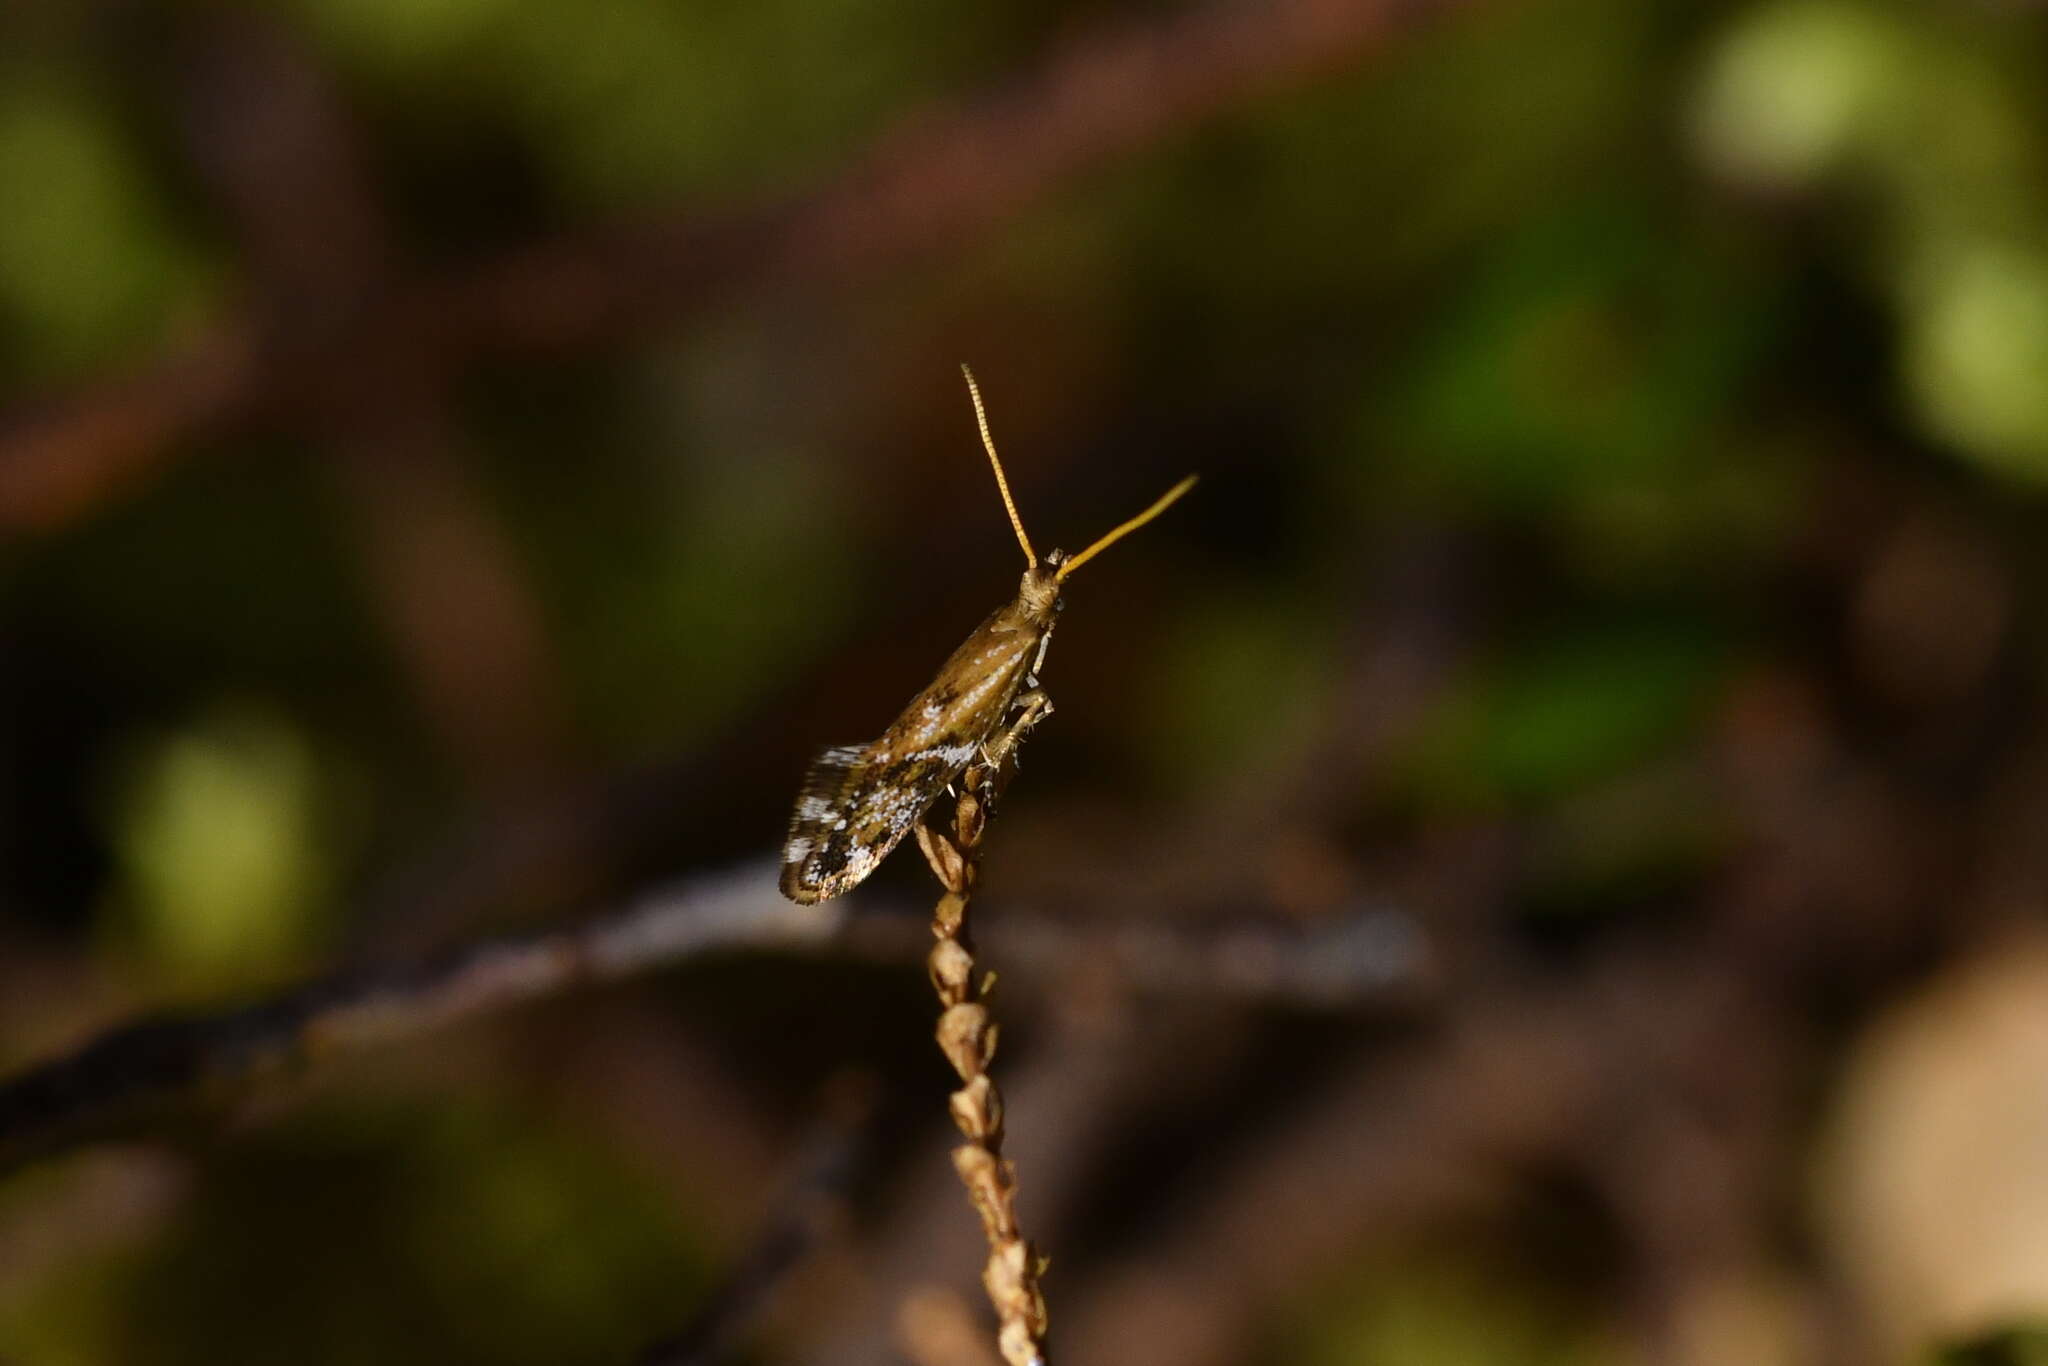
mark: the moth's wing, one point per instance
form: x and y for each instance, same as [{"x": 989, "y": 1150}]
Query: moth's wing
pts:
[{"x": 856, "y": 806}]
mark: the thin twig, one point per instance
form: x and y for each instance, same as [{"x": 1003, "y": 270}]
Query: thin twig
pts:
[
  {"x": 155, "y": 1069},
  {"x": 967, "y": 1036},
  {"x": 142, "y": 1072}
]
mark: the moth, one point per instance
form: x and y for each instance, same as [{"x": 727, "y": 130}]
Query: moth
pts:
[{"x": 859, "y": 801}]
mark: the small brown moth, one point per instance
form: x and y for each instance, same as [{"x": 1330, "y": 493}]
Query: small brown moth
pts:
[{"x": 859, "y": 801}]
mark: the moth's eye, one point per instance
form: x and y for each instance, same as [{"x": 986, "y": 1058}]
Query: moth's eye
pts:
[{"x": 1059, "y": 604}]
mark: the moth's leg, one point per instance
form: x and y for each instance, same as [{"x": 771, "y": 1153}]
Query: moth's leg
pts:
[
  {"x": 1031, "y": 707},
  {"x": 979, "y": 786}
]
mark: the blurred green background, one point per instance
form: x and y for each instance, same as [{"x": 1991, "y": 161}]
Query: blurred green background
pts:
[{"x": 459, "y": 457}]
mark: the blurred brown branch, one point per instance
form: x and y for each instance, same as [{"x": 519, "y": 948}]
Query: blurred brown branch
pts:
[
  {"x": 281, "y": 153},
  {"x": 933, "y": 181},
  {"x": 149, "y": 1071}
]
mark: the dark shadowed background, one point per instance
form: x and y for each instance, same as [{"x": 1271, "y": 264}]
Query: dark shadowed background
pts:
[{"x": 1541, "y": 859}]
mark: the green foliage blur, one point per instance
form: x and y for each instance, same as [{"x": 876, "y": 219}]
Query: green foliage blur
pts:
[
  {"x": 1591, "y": 295},
  {"x": 2018, "y": 1346}
]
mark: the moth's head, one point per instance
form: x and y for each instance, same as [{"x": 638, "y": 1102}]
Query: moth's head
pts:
[{"x": 1039, "y": 590}]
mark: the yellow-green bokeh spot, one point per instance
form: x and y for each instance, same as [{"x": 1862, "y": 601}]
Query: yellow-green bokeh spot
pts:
[
  {"x": 1447, "y": 1315},
  {"x": 89, "y": 264},
  {"x": 1977, "y": 354},
  {"x": 225, "y": 837},
  {"x": 2021, "y": 1344},
  {"x": 1793, "y": 90}
]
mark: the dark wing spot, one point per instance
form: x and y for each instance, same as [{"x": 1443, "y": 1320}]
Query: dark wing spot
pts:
[{"x": 851, "y": 813}]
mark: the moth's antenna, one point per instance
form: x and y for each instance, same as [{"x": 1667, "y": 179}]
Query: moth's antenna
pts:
[
  {"x": 1166, "y": 500},
  {"x": 989, "y": 444}
]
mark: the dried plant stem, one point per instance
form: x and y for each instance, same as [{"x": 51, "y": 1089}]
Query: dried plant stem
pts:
[{"x": 967, "y": 1036}]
